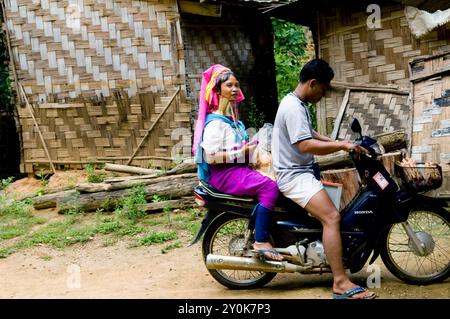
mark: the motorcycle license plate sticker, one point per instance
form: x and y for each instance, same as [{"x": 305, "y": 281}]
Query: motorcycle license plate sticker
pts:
[{"x": 381, "y": 181}]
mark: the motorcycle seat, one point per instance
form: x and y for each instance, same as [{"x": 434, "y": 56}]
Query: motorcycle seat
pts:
[{"x": 210, "y": 190}]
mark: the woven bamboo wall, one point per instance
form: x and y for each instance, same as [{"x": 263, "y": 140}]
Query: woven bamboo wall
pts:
[
  {"x": 241, "y": 38},
  {"x": 81, "y": 54},
  {"x": 215, "y": 42},
  {"x": 431, "y": 129},
  {"x": 377, "y": 112},
  {"x": 371, "y": 56}
]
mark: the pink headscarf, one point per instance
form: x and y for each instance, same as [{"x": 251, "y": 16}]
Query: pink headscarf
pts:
[{"x": 209, "y": 99}]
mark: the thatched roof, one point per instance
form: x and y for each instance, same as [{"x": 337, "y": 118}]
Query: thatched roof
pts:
[
  {"x": 299, "y": 11},
  {"x": 427, "y": 5}
]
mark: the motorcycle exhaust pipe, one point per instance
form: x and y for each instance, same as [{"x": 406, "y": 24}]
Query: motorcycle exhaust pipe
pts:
[{"x": 250, "y": 264}]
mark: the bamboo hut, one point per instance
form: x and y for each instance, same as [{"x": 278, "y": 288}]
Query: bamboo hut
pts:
[
  {"x": 385, "y": 75},
  {"x": 117, "y": 80}
]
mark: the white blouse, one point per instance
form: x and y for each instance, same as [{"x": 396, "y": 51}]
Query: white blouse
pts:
[{"x": 218, "y": 136}]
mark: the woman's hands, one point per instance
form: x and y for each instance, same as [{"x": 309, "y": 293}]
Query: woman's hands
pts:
[
  {"x": 250, "y": 147},
  {"x": 242, "y": 155}
]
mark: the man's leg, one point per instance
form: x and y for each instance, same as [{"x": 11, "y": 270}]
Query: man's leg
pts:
[{"x": 321, "y": 207}]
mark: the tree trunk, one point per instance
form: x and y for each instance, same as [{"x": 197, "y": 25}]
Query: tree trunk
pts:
[
  {"x": 174, "y": 188},
  {"x": 170, "y": 204},
  {"x": 97, "y": 187},
  {"x": 49, "y": 200},
  {"x": 129, "y": 169}
]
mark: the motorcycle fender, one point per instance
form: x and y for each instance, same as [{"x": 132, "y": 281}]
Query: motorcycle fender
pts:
[
  {"x": 406, "y": 202},
  {"x": 426, "y": 201},
  {"x": 209, "y": 218}
]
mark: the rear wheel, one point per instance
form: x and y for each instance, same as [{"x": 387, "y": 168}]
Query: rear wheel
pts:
[
  {"x": 432, "y": 228},
  {"x": 226, "y": 236}
]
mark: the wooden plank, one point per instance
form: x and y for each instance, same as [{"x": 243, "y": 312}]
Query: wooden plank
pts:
[
  {"x": 153, "y": 125},
  {"x": 340, "y": 116},
  {"x": 204, "y": 9}
]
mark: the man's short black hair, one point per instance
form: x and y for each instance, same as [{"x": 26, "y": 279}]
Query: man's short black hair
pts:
[{"x": 316, "y": 69}]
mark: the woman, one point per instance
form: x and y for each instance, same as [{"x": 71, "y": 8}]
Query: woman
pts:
[{"x": 222, "y": 151}]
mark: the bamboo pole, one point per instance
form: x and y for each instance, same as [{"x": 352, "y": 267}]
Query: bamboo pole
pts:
[
  {"x": 337, "y": 123},
  {"x": 30, "y": 109},
  {"x": 153, "y": 125}
]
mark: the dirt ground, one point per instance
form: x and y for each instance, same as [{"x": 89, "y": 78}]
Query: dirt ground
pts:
[{"x": 91, "y": 270}]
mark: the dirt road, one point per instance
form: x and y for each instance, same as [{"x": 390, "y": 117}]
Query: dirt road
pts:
[{"x": 93, "y": 271}]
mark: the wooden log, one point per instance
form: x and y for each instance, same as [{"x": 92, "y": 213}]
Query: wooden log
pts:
[
  {"x": 188, "y": 166},
  {"x": 129, "y": 169},
  {"x": 349, "y": 178},
  {"x": 48, "y": 201},
  {"x": 391, "y": 142},
  {"x": 170, "y": 204},
  {"x": 129, "y": 178},
  {"x": 174, "y": 188},
  {"x": 97, "y": 187},
  {"x": 389, "y": 160},
  {"x": 93, "y": 187}
]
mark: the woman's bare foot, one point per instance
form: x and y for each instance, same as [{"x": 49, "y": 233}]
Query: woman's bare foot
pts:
[{"x": 268, "y": 251}]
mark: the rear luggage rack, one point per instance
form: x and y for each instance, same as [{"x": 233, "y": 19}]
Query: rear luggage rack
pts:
[{"x": 215, "y": 193}]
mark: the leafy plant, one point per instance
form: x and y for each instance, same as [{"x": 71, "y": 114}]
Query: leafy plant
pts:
[
  {"x": 43, "y": 177},
  {"x": 290, "y": 56},
  {"x": 131, "y": 205},
  {"x": 255, "y": 118},
  {"x": 6, "y": 182},
  {"x": 92, "y": 175},
  {"x": 6, "y": 93},
  {"x": 157, "y": 238}
]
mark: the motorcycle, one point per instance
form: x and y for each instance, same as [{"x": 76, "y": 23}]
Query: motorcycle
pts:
[{"x": 410, "y": 231}]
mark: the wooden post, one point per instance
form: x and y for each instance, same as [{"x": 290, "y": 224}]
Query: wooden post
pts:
[
  {"x": 152, "y": 126},
  {"x": 30, "y": 109},
  {"x": 340, "y": 116}
]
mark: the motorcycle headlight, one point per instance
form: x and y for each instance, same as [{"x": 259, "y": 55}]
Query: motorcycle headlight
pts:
[{"x": 378, "y": 148}]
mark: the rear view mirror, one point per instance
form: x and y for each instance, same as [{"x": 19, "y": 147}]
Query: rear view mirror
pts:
[{"x": 356, "y": 128}]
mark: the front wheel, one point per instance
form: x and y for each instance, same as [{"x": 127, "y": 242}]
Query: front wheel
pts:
[
  {"x": 226, "y": 236},
  {"x": 431, "y": 227}
]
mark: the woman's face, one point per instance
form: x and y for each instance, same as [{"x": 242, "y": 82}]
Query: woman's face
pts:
[{"x": 230, "y": 88}]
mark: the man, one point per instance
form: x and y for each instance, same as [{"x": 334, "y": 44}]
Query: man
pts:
[{"x": 294, "y": 145}]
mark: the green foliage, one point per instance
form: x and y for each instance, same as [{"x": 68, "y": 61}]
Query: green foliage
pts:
[
  {"x": 92, "y": 175},
  {"x": 6, "y": 182},
  {"x": 5, "y": 81},
  {"x": 43, "y": 177},
  {"x": 131, "y": 205},
  {"x": 157, "y": 237},
  {"x": 289, "y": 50},
  {"x": 255, "y": 118},
  {"x": 290, "y": 56},
  {"x": 171, "y": 246}
]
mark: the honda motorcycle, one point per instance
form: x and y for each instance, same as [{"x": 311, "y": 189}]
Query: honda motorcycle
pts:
[{"x": 388, "y": 218}]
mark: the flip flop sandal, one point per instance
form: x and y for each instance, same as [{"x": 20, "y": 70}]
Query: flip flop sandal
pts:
[
  {"x": 351, "y": 292},
  {"x": 261, "y": 254}
]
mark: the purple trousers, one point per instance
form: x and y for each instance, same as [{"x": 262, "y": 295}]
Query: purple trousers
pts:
[{"x": 241, "y": 180}]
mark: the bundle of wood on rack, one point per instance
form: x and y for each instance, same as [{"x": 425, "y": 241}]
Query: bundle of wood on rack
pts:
[{"x": 420, "y": 176}]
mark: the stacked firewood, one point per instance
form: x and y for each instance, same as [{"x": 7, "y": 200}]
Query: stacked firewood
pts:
[
  {"x": 420, "y": 176},
  {"x": 175, "y": 186}
]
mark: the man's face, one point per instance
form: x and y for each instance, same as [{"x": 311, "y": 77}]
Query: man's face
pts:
[{"x": 317, "y": 90}]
